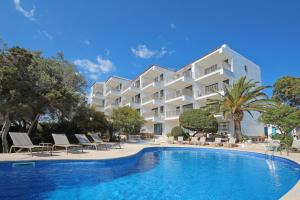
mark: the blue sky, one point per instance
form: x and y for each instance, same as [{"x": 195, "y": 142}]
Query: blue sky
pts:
[{"x": 124, "y": 37}]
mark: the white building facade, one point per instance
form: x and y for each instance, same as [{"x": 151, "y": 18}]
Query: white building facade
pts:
[{"x": 161, "y": 95}]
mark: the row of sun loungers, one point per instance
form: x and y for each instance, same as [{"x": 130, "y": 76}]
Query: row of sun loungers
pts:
[
  {"x": 202, "y": 141},
  {"x": 22, "y": 141}
]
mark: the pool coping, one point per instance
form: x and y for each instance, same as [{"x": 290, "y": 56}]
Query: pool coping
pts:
[{"x": 293, "y": 193}]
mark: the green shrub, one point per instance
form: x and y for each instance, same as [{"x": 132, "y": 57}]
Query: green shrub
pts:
[
  {"x": 288, "y": 140},
  {"x": 178, "y": 131}
]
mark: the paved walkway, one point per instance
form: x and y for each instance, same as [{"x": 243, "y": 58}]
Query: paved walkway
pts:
[{"x": 130, "y": 149}]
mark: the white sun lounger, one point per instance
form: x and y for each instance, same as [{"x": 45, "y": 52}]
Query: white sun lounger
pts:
[
  {"x": 22, "y": 141},
  {"x": 61, "y": 140},
  {"x": 203, "y": 141},
  {"x": 218, "y": 142},
  {"x": 84, "y": 141},
  {"x": 295, "y": 145},
  {"x": 97, "y": 139},
  {"x": 180, "y": 139},
  {"x": 194, "y": 141}
]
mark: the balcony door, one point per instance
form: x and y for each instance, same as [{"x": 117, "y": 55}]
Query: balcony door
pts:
[{"x": 158, "y": 129}]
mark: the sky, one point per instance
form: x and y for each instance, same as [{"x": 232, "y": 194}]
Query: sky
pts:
[{"x": 123, "y": 38}]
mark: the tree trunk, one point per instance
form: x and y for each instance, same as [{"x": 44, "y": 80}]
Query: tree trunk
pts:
[
  {"x": 33, "y": 124},
  {"x": 4, "y": 132},
  {"x": 237, "y": 118},
  {"x": 237, "y": 130}
]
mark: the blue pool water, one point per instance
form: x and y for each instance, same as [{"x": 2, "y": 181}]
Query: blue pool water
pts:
[{"x": 154, "y": 173}]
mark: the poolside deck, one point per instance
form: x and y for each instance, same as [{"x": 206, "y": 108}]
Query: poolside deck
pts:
[{"x": 130, "y": 149}]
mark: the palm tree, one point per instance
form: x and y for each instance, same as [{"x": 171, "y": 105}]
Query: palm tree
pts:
[{"x": 243, "y": 96}]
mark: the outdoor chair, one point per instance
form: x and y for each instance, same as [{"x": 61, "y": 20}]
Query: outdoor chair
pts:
[
  {"x": 171, "y": 139},
  {"x": 203, "y": 141},
  {"x": 84, "y": 141},
  {"x": 231, "y": 142},
  {"x": 22, "y": 141},
  {"x": 194, "y": 141},
  {"x": 97, "y": 139},
  {"x": 218, "y": 142},
  {"x": 61, "y": 140},
  {"x": 295, "y": 145},
  {"x": 180, "y": 140}
]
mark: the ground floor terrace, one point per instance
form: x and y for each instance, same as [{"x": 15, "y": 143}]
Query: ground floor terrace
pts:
[{"x": 132, "y": 149}]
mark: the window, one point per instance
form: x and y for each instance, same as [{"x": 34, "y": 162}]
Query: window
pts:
[
  {"x": 161, "y": 93},
  {"x": 187, "y": 107},
  {"x": 211, "y": 69},
  {"x": 161, "y": 77},
  {"x": 161, "y": 109},
  {"x": 211, "y": 88},
  {"x": 246, "y": 69}
]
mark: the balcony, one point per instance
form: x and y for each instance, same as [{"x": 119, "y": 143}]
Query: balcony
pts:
[
  {"x": 179, "y": 81},
  {"x": 111, "y": 106},
  {"x": 130, "y": 90},
  {"x": 98, "y": 95},
  {"x": 113, "y": 93},
  {"x": 151, "y": 85},
  {"x": 180, "y": 97},
  {"x": 218, "y": 72},
  {"x": 152, "y": 101},
  {"x": 174, "y": 114},
  {"x": 211, "y": 92},
  {"x": 154, "y": 116},
  {"x": 131, "y": 103}
]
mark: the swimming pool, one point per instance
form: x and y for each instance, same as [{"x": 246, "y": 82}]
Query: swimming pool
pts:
[{"x": 153, "y": 173}]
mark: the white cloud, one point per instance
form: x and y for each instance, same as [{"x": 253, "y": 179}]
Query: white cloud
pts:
[
  {"x": 48, "y": 35},
  {"x": 142, "y": 51},
  {"x": 94, "y": 69},
  {"x": 172, "y": 26},
  {"x": 27, "y": 13},
  {"x": 86, "y": 42}
]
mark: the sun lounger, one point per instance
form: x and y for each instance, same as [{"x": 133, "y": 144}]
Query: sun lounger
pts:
[
  {"x": 203, "y": 141},
  {"x": 194, "y": 141},
  {"x": 84, "y": 141},
  {"x": 22, "y": 141},
  {"x": 61, "y": 140},
  {"x": 180, "y": 140},
  {"x": 218, "y": 142},
  {"x": 171, "y": 139},
  {"x": 295, "y": 145},
  {"x": 231, "y": 142},
  {"x": 97, "y": 139}
]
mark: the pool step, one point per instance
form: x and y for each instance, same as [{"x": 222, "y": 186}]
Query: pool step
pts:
[{"x": 23, "y": 164}]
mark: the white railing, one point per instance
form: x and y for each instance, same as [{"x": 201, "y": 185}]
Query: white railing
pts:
[
  {"x": 132, "y": 85},
  {"x": 178, "y": 93},
  {"x": 215, "y": 89},
  {"x": 201, "y": 72},
  {"x": 151, "y": 97},
  {"x": 187, "y": 74},
  {"x": 152, "y": 114},
  {"x": 173, "y": 113},
  {"x": 113, "y": 90},
  {"x": 176, "y": 113},
  {"x": 147, "y": 82}
]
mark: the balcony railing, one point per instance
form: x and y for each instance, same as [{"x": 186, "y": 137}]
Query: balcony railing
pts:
[
  {"x": 203, "y": 72},
  {"x": 179, "y": 93},
  {"x": 213, "y": 89},
  {"x": 152, "y": 114},
  {"x": 173, "y": 113},
  {"x": 126, "y": 101},
  {"x": 113, "y": 90},
  {"x": 187, "y": 74},
  {"x": 130, "y": 85},
  {"x": 151, "y": 97},
  {"x": 147, "y": 82},
  {"x": 112, "y": 104},
  {"x": 176, "y": 113}
]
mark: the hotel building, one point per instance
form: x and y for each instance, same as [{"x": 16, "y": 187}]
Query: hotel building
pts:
[{"x": 161, "y": 95}]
